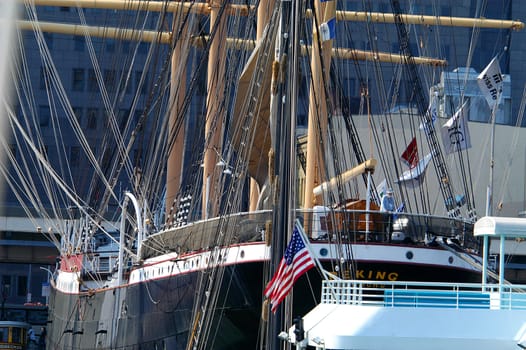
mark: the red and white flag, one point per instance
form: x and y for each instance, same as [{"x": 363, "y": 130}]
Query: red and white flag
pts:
[
  {"x": 294, "y": 263},
  {"x": 410, "y": 155}
]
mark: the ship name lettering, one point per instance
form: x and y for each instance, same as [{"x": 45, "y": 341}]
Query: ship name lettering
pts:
[{"x": 376, "y": 275}]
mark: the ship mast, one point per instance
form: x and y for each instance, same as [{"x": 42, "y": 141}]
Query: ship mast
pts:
[
  {"x": 287, "y": 48},
  {"x": 317, "y": 122},
  {"x": 177, "y": 119},
  {"x": 215, "y": 111}
]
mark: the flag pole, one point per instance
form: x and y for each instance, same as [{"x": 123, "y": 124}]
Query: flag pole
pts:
[{"x": 326, "y": 274}]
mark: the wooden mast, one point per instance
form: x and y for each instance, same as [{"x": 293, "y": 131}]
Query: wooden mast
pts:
[
  {"x": 176, "y": 122},
  {"x": 215, "y": 111},
  {"x": 317, "y": 123}
]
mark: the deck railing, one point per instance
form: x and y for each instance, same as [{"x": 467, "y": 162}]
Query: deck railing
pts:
[{"x": 424, "y": 294}]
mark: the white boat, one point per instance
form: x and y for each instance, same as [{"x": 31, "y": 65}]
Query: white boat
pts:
[{"x": 368, "y": 315}]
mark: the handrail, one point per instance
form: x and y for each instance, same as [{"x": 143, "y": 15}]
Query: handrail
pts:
[{"x": 424, "y": 294}]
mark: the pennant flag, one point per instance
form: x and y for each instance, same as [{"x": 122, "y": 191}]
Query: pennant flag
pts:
[
  {"x": 400, "y": 209},
  {"x": 455, "y": 132},
  {"x": 418, "y": 170},
  {"x": 433, "y": 112},
  {"x": 295, "y": 263},
  {"x": 490, "y": 82},
  {"x": 328, "y": 30},
  {"x": 410, "y": 155},
  {"x": 381, "y": 189}
]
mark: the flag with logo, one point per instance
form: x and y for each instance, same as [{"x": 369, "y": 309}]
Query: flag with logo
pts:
[
  {"x": 490, "y": 82},
  {"x": 410, "y": 155},
  {"x": 294, "y": 263},
  {"x": 455, "y": 132}
]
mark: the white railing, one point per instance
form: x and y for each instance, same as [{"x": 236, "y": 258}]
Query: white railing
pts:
[{"x": 424, "y": 294}]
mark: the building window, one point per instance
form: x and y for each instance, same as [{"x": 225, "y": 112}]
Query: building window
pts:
[
  {"x": 125, "y": 47},
  {"x": 92, "y": 81},
  {"x": 74, "y": 156},
  {"x": 144, "y": 86},
  {"x": 79, "y": 112},
  {"x": 43, "y": 79},
  {"x": 143, "y": 48},
  {"x": 136, "y": 156},
  {"x": 79, "y": 43},
  {"x": 109, "y": 79},
  {"x": 21, "y": 289},
  {"x": 92, "y": 114},
  {"x": 78, "y": 79},
  {"x": 64, "y": 9},
  {"x": 106, "y": 157},
  {"x": 110, "y": 46},
  {"x": 445, "y": 10},
  {"x": 49, "y": 40},
  {"x": 6, "y": 286},
  {"x": 44, "y": 115},
  {"x": 137, "y": 118}
]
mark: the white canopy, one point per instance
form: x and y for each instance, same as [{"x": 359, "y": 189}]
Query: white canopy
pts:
[{"x": 500, "y": 226}]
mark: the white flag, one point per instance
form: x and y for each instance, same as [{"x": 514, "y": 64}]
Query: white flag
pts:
[
  {"x": 490, "y": 82},
  {"x": 433, "y": 113},
  {"x": 381, "y": 189},
  {"x": 455, "y": 132}
]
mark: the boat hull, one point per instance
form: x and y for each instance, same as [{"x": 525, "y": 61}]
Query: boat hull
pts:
[{"x": 156, "y": 312}]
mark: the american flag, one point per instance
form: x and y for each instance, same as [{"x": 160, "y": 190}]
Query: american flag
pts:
[{"x": 295, "y": 263}]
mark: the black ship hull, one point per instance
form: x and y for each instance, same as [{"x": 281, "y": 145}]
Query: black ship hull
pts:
[{"x": 157, "y": 312}]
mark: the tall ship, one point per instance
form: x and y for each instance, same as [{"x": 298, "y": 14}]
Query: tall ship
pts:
[{"x": 180, "y": 258}]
